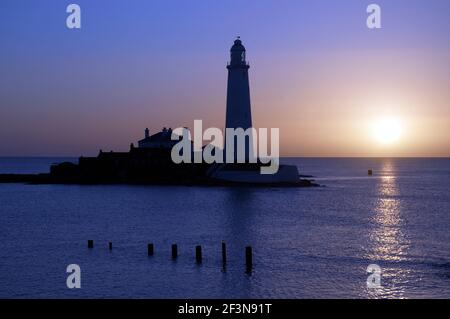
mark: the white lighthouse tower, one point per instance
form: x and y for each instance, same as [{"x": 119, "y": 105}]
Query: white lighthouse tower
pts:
[
  {"x": 239, "y": 114},
  {"x": 238, "y": 92}
]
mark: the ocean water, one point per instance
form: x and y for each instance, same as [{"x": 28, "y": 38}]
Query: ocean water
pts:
[{"x": 307, "y": 242}]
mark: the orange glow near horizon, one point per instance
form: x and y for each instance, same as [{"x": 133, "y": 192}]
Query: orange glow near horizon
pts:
[{"x": 358, "y": 104}]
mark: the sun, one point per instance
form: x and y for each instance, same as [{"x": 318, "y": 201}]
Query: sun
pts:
[{"x": 387, "y": 130}]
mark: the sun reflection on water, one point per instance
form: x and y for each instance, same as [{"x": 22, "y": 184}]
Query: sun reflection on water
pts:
[{"x": 389, "y": 243}]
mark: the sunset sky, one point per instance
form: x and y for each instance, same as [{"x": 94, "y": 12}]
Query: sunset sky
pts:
[{"x": 316, "y": 72}]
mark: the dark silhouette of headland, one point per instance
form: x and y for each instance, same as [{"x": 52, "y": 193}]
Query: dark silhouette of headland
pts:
[{"x": 140, "y": 166}]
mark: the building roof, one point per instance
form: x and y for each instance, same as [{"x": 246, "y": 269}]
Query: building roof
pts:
[{"x": 164, "y": 136}]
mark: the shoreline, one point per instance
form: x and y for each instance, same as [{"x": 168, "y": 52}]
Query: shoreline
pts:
[{"x": 46, "y": 179}]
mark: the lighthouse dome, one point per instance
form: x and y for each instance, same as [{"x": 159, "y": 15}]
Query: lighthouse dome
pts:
[
  {"x": 237, "y": 53},
  {"x": 237, "y": 46}
]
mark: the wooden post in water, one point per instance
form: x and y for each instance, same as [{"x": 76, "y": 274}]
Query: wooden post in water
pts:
[
  {"x": 248, "y": 259},
  {"x": 224, "y": 253},
  {"x": 198, "y": 254},
  {"x": 110, "y": 245},
  {"x": 174, "y": 251},
  {"x": 370, "y": 172},
  {"x": 90, "y": 243},
  {"x": 150, "y": 249}
]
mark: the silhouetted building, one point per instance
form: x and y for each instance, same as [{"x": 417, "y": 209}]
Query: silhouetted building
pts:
[{"x": 151, "y": 161}]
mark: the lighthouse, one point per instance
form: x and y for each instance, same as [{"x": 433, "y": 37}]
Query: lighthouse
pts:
[
  {"x": 238, "y": 113},
  {"x": 239, "y": 117},
  {"x": 238, "y": 90}
]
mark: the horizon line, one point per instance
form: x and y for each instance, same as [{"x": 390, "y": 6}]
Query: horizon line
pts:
[{"x": 299, "y": 156}]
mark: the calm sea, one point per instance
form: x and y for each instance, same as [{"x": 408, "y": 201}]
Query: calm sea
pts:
[{"x": 307, "y": 243}]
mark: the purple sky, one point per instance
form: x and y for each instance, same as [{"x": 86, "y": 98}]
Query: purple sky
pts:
[{"x": 317, "y": 72}]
